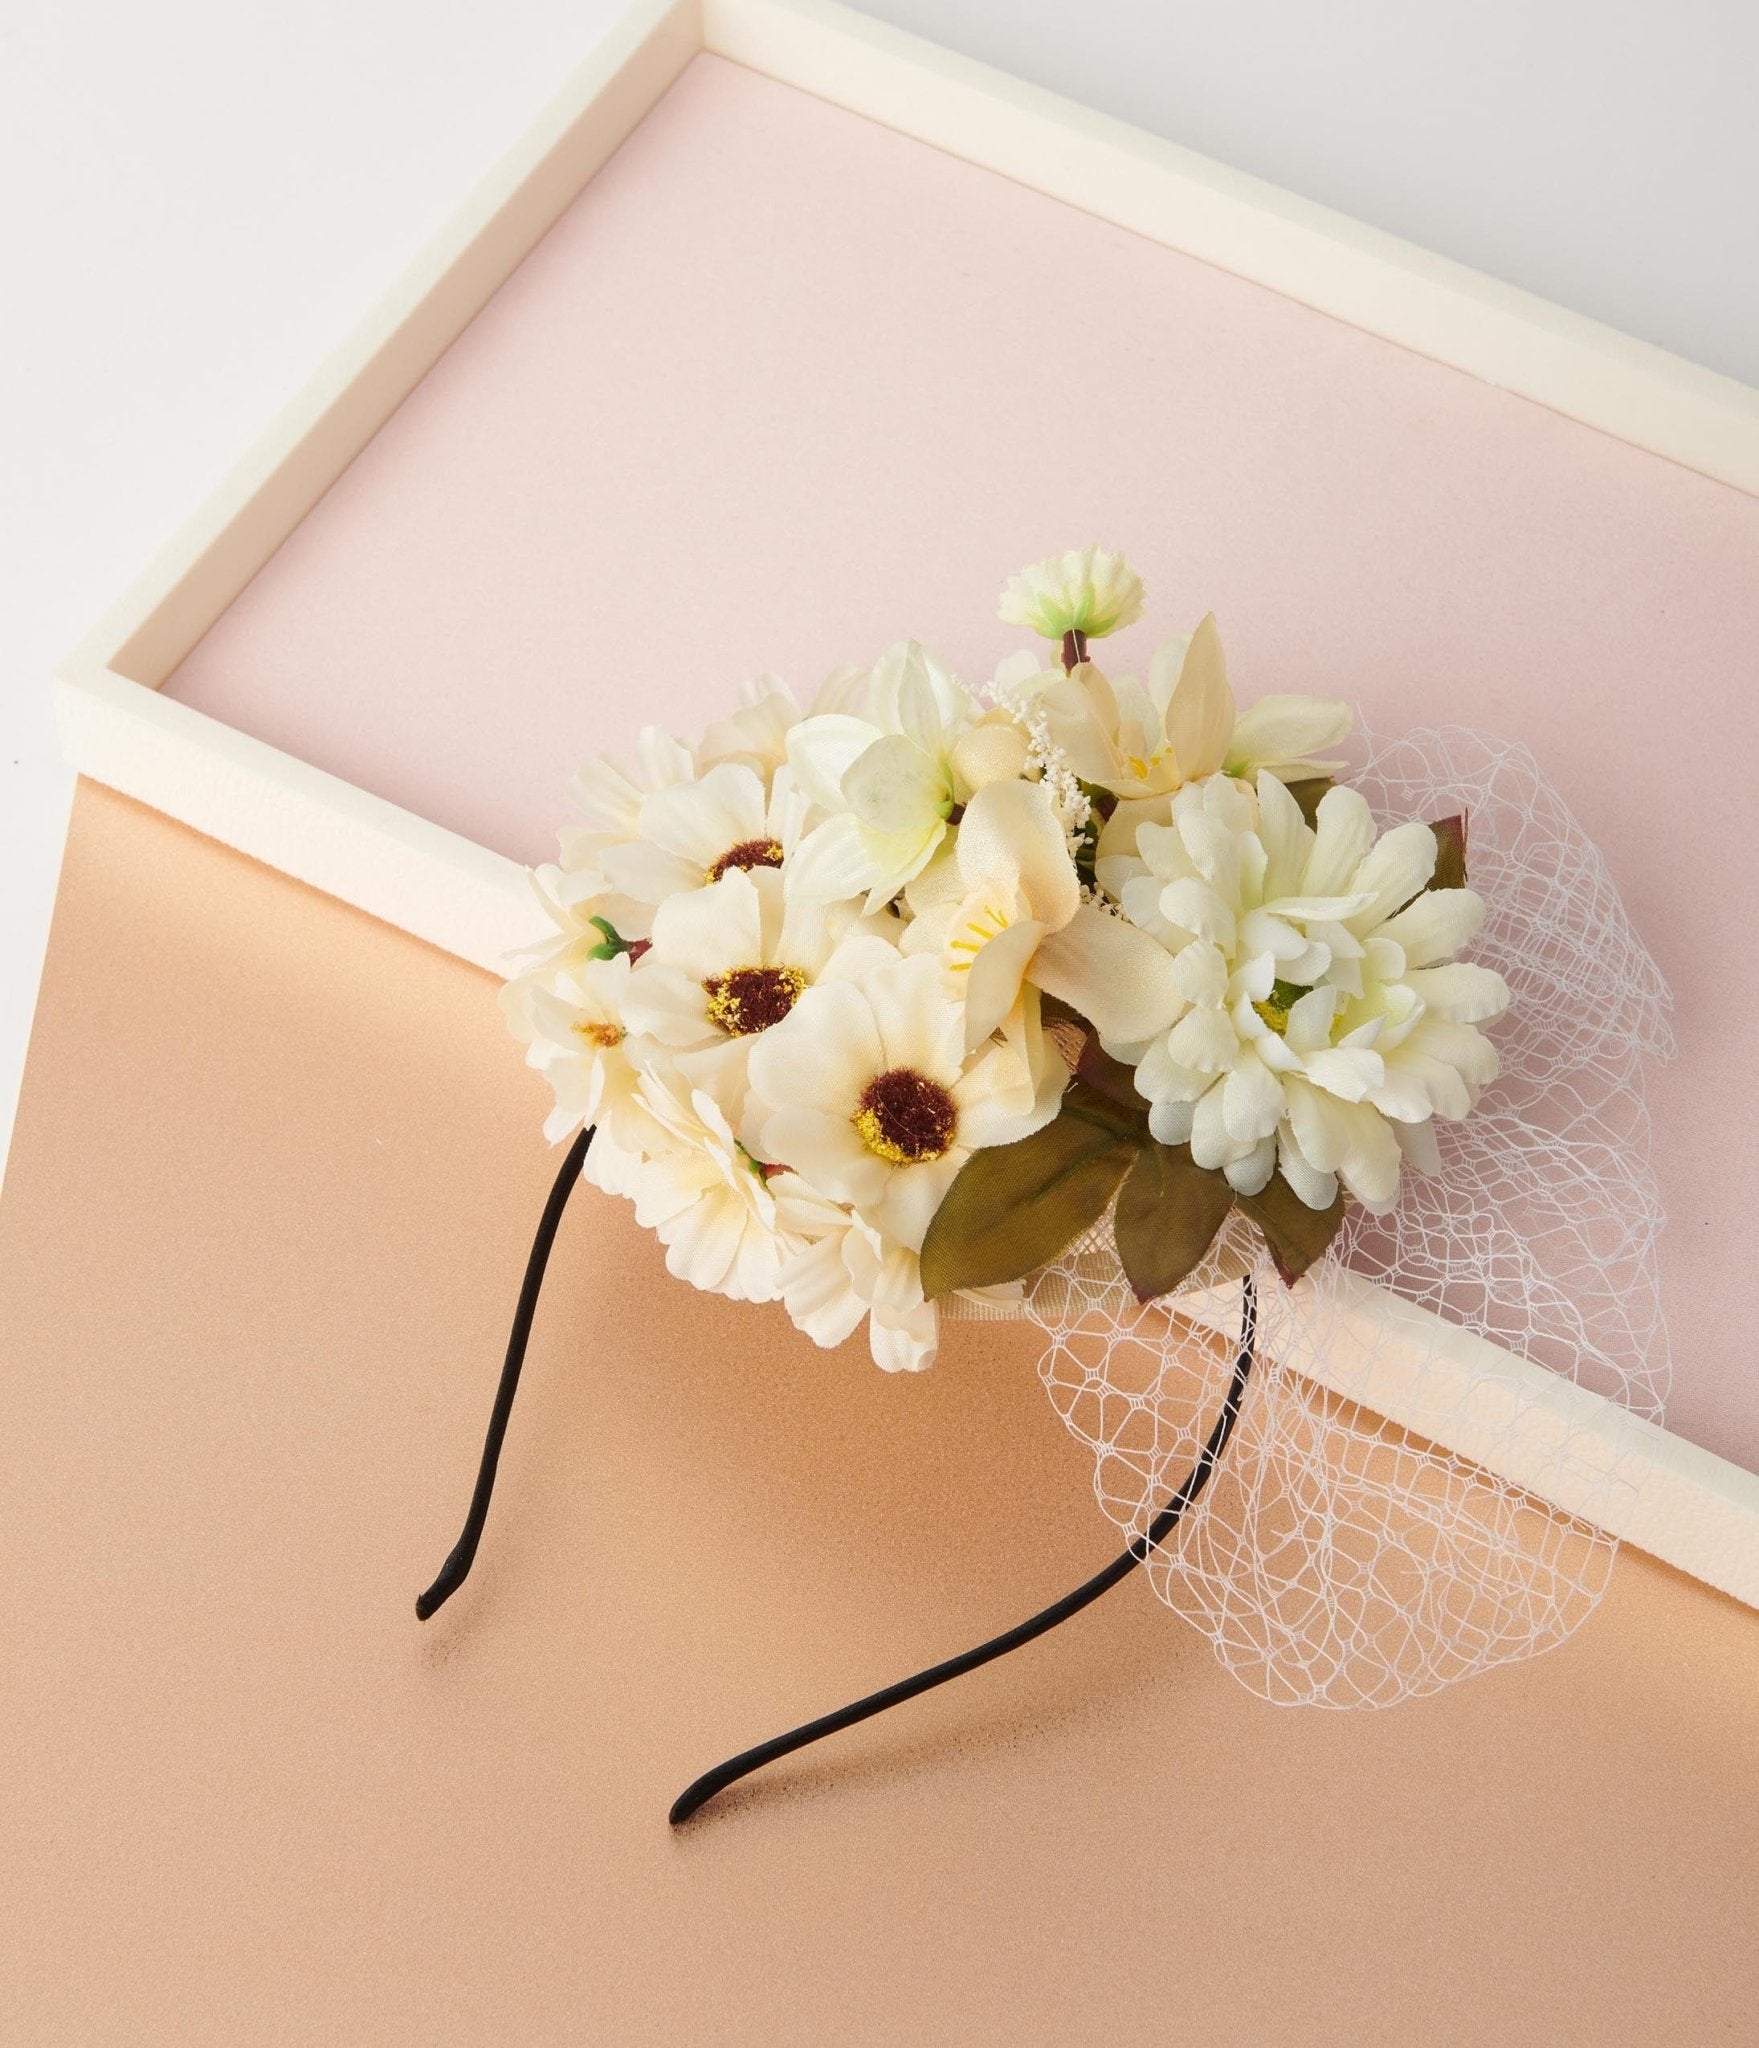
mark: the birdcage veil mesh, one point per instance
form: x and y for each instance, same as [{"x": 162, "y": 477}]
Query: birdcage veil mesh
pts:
[{"x": 1340, "y": 1558}]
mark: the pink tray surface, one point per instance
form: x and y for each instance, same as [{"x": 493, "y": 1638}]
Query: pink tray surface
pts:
[{"x": 783, "y": 385}]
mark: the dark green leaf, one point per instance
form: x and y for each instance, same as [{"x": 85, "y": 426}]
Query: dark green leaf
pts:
[
  {"x": 1169, "y": 1210},
  {"x": 1450, "y": 852},
  {"x": 1013, "y": 1208},
  {"x": 1308, "y": 793},
  {"x": 1295, "y": 1234}
]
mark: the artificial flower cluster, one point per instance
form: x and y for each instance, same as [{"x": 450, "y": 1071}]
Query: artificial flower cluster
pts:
[{"x": 893, "y": 997}]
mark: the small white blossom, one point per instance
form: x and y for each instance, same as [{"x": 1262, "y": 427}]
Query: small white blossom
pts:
[{"x": 1086, "y": 591}]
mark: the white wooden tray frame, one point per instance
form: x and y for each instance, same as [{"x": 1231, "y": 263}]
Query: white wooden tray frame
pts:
[{"x": 1695, "y": 1510}]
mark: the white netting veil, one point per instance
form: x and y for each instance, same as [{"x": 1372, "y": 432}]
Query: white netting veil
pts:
[{"x": 1422, "y": 1472}]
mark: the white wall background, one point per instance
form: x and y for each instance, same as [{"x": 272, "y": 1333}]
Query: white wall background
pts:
[{"x": 198, "y": 198}]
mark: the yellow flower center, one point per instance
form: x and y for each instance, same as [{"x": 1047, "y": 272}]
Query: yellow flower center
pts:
[
  {"x": 905, "y": 1117},
  {"x": 973, "y": 932},
  {"x": 604, "y": 1036},
  {"x": 1283, "y": 997},
  {"x": 747, "y": 1000},
  {"x": 749, "y": 853}
]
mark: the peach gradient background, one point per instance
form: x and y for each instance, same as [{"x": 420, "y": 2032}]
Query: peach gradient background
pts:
[
  {"x": 269, "y": 1198},
  {"x": 783, "y": 384}
]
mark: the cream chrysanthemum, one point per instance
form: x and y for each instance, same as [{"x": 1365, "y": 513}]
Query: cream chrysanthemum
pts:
[
  {"x": 867, "y": 1091},
  {"x": 1322, "y": 1020},
  {"x": 1087, "y": 591},
  {"x": 841, "y": 1273}
]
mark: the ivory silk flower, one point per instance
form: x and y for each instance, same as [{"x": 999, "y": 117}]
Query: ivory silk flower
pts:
[
  {"x": 571, "y": 1022},
  {"x": 1144, "y": 742},
  {"x": 1322, "y": 1020},
  {"x": 729, "y": 962},
  {"x": 869, "y": 1093},
  {"x": 890, "y": 771},
  {"x": 1087, "y": 591}
]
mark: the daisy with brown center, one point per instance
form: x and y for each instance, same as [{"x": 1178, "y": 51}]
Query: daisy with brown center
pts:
[
  {"x": 867, "y": 1091},
  {"x": 690, "y": 834},
  {"x": 729, "y": 962}
]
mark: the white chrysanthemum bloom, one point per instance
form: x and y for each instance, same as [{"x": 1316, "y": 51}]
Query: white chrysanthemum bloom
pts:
[
  {"x": 570, "y": 1020},
  {"x": 729, "y": 962},
  {"x": 757, "y": 732},
  {"x": 869, "y": 1093},
  {"x": 842, "y": 1273},
  {"x": 1322, "y": 1019},
  {"x": 891, "y": 774},
  {"x": 609, "y": 798},
  {"x": 689, "y": 834},
  {"x": 695, "y": 1186},
  {"x": 1086, "y": 591},
  {"x": 1143, "y": 743}
]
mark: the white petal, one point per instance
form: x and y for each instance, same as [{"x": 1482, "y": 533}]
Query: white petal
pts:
[
  {"x": 1119, "y": 978},
  {"x": 1250, "y": 1175},
  {"x": 1394, "y": 869},
  {"x": 1436, "y": 926},
  {"x": 1461, "y": 992},
  {"x": 822, "y": 750},
  {"x": 1252, "y": 1103},
  {"x": 831, "y": 864},
  {"x": 1286, "y": 731},
  {"x": 1200, "y": 705},
  {"x": 1011, "y": 828},
  {"x": 1343, "y": 833},
  {"x": 895, "y": 787}
]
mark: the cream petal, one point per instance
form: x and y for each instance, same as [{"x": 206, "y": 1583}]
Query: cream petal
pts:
[
  {"x": 1435, "y": 926},
  {"x": 1211, "y": 1144},
  {"x": 1319, "y": 1124},
  {"x": 916, "y": 1024},
  {"x": 1286, "y": 837},
  {"x": 1011, "y": 828},
  {"x": 651, "y": 873},
  {"x": 1200, "y": 973},
  {"x": 1346, "y": 1072},
  {"x": 1200, "y": 705},
  {"x": 828, "y": 1152},
  {"x": 1316, "y": 1188},
  {"x": 1370, "y": 1165},
  {"x": 1286, "y": 731},
  {"x": 1204, "y": 1041},
  {"x": 1460, "y": 992},
  {"x": 823, "y": 1053},
  {"x": 904, "y": 1343},
  {"x": 1395, "y": 868},
  {"x": 912, "y": 1194},
  {"x": 1117, "y": 977},
  {"x": 992, "y": 983},
  {"x": 700, "y": 820},
  {"x": 831, "y": 864},
  {"x": 895, "y": 787},
  {"x": 816, "y": 1293},
  {"x": 822, "y": 750},
  {"x": 1250, "y": 1174},
  {"x": 666, "y": 1003},
  {"x": 1310, "y": 1020},
  {"x": 1171, "y": 1121},
  {"x": 707, "y": 931},
  {"x": 1252, "y": 1104},
  {"x": 1193, "y": 906}
]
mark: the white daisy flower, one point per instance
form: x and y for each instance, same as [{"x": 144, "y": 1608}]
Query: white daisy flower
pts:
[
  {"x": 729, "y": 962},
  {"x": 842, "y": 1273},
  {"x": 1144, "y": 743},
  {"x": 1086, "y": 591},
  {"x": 570, "y": 1019},
  {"x": 869, "y": 1093},
  {"x": 1321, "y": 1020},
  {"x": 695, "y": 1186},
  {"x": 891, "y": 771},
  {"x": 691, "y": 833}
]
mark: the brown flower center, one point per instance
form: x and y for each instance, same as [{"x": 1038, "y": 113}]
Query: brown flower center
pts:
[
  {"x": 905, "y": 1117},
  {"x": 750, "y": 999},
  {"x": 749, "y": 853}
]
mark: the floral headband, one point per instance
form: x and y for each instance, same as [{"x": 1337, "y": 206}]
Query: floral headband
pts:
[{"x": 1103, "y": 1004}]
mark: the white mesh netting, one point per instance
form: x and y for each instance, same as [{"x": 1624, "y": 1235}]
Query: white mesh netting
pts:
[{"x": 1339, "y": 1557}]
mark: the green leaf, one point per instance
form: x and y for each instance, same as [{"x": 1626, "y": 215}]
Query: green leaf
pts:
[
  {"x": 1307, "y": 794},
  {"x": 1095, "y": 1066},
  {"x": 1296, "y": 1235},
  {"x": 1169, "y": 1210},
  {"x": 1450, "y": 852},
  {"x": 1013, "y": 1208}
]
